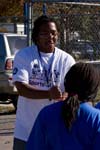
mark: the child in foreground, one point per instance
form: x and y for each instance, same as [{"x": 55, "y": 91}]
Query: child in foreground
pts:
[{"x": 73, "y": 123}]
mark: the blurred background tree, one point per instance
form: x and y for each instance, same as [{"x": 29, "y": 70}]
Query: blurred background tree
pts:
[{"x": 11, "y": 8}]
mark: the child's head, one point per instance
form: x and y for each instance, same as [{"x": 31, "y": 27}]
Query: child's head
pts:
[
  {"x": 81, "y": 83},
  {"x": 82, "y": 80}
]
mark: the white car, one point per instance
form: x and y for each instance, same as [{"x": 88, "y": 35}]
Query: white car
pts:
[{"x": 10, "y": 43}]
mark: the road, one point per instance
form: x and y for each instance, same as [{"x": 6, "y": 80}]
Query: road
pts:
[{"x": 7, "y": 122}]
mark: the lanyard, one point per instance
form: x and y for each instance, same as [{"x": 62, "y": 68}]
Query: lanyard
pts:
[{"x": 46, "y": 72}]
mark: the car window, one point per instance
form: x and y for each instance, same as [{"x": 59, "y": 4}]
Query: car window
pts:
[
  {"x": 2, "y": 46},
  {"x": 16, "y": 43}
]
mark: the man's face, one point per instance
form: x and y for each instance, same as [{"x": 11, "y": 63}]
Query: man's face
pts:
[{"x": 47, "y": 37}]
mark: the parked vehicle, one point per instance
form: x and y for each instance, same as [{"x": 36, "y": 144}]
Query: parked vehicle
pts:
[
  {"x": 10, "y": 43},
  {"x": 83, "y": 48}
]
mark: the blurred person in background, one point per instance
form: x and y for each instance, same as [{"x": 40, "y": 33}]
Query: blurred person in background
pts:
[{"x": 38, "y": 74}]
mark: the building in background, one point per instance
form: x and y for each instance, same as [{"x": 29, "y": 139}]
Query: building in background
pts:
[{"x": 12, "y": 28}]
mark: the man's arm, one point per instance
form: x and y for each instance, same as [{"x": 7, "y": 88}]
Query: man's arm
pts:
[{"x": 29, "y": 91}]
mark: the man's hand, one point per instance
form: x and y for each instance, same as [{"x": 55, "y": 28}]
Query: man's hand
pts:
[
  {"x": 56, "y": 94},
  {"x": 64, "y": 95}
]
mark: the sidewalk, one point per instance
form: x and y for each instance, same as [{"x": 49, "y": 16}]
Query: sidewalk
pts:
[
  {"x": 6, "y": 142},
  {"x": 7, "y": 123}
]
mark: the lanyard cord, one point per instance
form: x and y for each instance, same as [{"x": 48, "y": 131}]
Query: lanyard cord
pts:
[{"x": 47, "y": 72}]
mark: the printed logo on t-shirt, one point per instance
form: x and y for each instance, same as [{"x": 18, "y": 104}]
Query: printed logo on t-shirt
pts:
[
  {"x": 15, "y": 70},
  {"x": 41, "y": 79}
]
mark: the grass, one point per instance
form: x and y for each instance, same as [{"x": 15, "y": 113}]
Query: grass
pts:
[{"x": 6, "y": 109}]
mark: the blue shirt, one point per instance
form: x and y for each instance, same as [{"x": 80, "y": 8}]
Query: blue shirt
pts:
[{"x": 50, "y": 133}]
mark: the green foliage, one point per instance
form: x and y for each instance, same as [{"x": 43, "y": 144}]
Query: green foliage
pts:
[{"x": 11, "y": 8}]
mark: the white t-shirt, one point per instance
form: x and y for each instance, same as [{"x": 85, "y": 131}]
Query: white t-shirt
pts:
[{"x": 29, "y": 67}]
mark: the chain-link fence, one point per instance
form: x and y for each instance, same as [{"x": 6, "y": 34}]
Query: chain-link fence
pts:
[{"x": 79, "y": 26}]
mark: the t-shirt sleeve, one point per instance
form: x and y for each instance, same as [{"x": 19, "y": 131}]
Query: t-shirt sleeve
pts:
[
  {"x": 20, "y": 69},
  {"x": 67, "y": 64},
  {"x": 70, "y": 62}
]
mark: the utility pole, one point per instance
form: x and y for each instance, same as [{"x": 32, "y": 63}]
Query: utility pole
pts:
[
  {"x": 44, "y": 9},
  {"x": 28, "y": 22},
  {"x": 25, "y": 17}
]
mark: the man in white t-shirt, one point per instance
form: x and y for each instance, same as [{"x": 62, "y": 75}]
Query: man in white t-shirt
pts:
[{"x": 38, "y": 74}]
